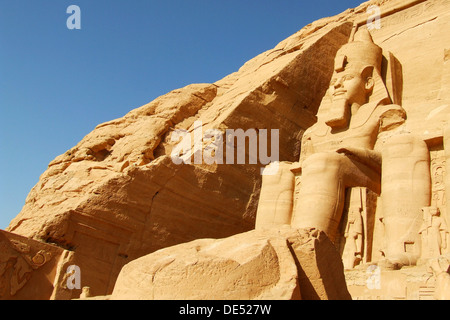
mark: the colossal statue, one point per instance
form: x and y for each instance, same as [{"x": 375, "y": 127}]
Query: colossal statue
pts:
[{"x": 343, "y": 150}]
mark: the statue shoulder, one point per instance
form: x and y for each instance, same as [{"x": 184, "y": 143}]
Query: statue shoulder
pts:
[
  {"x": 391, "y": 109},
  {"x": 391, "y": 116},
  {"x": 374, "y": 114}
]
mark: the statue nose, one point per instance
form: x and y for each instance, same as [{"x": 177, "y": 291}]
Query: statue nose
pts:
[{"x": 338, "y": 83}]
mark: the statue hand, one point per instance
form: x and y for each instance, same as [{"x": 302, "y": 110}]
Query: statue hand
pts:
[
  {"x": 296, "y": 167},
  {"x": 366, "y": 156},
  {"x": 434, "y": 266},
  {"x": 438, "y": 265},
  {"x": 348, "y": 151}
]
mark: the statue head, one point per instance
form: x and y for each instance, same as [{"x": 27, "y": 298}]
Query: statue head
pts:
[
  {"x": 434, "y": 211},
  {"x": 356, "y": 77}
]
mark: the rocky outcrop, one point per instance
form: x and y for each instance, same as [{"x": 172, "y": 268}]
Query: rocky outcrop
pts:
[
  {"x": 118, "y": 196},
  {"x": 274, "y": 264}
]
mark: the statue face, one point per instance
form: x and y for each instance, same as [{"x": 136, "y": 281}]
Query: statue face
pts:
[{"x": 349, "y": 86}]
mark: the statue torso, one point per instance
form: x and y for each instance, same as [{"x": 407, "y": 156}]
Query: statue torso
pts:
[{"x": 361, "y": 133}]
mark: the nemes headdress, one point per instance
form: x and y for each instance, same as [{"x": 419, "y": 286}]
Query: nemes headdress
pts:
[{"x": 359, "y": 53}]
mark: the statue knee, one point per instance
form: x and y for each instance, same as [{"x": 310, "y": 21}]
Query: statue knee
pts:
[
  {"x": 276, "y": 197},
  {"x": 322, "y": 163}
]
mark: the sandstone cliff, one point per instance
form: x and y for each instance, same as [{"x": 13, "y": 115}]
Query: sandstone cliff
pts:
[
  {"x": 271, "y": 264},
  {"x": 117, "y": 195}
]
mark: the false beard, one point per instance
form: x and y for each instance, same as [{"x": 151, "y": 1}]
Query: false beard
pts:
[{"x": 338, "y": 115}]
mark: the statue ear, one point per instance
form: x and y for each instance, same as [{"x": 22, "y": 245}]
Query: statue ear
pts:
[
  {"x": 370, "y": 83},
  {"x": 367, "y": 75}
]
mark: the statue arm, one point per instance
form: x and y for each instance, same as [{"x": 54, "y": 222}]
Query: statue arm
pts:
[
  {"x": 368, "y": 157},
  {"x": 389, "y": 117}
]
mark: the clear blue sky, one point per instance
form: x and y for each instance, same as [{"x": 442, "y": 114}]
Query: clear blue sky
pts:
[{"x": 57, "y": 84}]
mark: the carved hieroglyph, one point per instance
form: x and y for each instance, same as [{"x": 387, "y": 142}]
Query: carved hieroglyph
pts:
[
  {"x": 19, "y": 263},
  {"x": 28, "y": 268}
]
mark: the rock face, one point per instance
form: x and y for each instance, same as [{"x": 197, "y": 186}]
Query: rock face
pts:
[
  {"x": 30, "y": 269},
  {"x": 277, "y": 264},
  {"x": 118, "y": 195}
]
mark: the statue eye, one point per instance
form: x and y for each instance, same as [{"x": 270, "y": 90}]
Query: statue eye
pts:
[{"x": 348, "y": 77}]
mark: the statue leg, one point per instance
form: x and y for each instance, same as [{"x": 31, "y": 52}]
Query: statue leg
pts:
[
  {"x": 325, "y": 176},
  {"x": 406, "y": 189},
  {"x": 276, "y": 198}
]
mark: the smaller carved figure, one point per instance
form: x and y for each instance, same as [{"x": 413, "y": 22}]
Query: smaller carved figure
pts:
[
  {"x": 354, "y": 231},
  {"x": 434, "y": 233},
  {"x": 354, "y": 239}
]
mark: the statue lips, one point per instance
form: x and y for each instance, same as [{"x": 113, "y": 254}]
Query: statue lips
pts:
[{"x": 338, "y": 93}]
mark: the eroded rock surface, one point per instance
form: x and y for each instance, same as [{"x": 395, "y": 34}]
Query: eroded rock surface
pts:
[
  {"x": 274, "y": 264},
  {"x": 117, "y": 195}
]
